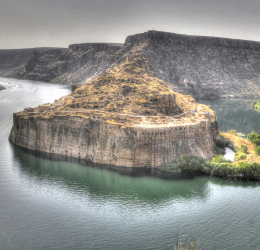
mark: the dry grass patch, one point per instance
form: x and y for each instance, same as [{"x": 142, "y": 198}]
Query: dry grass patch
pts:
[{"x": 251, "y": 155}]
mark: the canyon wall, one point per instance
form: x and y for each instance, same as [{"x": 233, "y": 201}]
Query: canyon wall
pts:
[
  {"x": 75, "y": 65},
  {"x": 205, "y": 67},
  {"x": 107, "y": 143}
]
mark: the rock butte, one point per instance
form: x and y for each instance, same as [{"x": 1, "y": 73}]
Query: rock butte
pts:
[{"x": 124, "y": 118}]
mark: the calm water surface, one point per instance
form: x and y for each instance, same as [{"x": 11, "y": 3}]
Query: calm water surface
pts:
[
  {"x": 60, "y": 205},
  {"x": 236, "y": 114}
]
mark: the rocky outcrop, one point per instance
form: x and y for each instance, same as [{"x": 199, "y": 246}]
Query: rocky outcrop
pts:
[
  {"x": 205, "y": 67},
  {"x": 76, "y": 65},
  {"x": 1, "y": 87},
  {"x": 126, "y": 118}
]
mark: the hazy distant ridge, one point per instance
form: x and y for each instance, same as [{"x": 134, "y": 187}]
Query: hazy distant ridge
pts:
[
  {"x": 194, "y": 40},
  {"x": 205, "y": 67},
  {"x": 74, "y": 65}
]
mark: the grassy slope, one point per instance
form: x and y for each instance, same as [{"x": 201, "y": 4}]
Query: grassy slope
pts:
[{"x": 238, "y": 141}]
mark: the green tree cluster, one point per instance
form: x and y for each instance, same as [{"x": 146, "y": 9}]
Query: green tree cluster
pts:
[
  {"x": 219, "y": 167},
  {"x": 220, "y": 145},
  {"x": 228, "y": 170},
  {"x": 220, "y": 159},
  {"x": 255, "y": 139},
  {"x": 244, "y": 148}
]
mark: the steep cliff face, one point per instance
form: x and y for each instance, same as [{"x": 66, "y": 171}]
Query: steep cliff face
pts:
[
  {"x": 205, "y": 67},
  {"x": 126, "y": 118},
  {"x": 76, "y": 65},
  {"x": 13, "y": 62}
]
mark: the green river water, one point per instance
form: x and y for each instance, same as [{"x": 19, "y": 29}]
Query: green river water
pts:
[{"x": 62, "y": 205}]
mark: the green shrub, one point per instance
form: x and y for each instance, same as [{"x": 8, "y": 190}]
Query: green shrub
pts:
[
  {"x": 239, "y": 156},
  {"x": 185, "y": 162},
  {"x": 171, "y": 168},
  {"x": 257, "y": 105},
  {"x": 244, "y": 148},
  {"x": 189, "y": 162},
  {"x": 222, "y": 143},
  {"x": 249, "y": 170},
  {"x": 255, "y": 139},
  {"x": 257, "y": 150},
  {"x": 242, "y": 156},
  {"x": 256, "y": 142},
  {"x": 219, "y": 151},
  {"x": 219, "y": 159},
  {"x": 237, "y": 149},
  {"x": 242, "y": 170},
  {"x": 222, "y": 169},
  {"x": 253, "y": 135}
]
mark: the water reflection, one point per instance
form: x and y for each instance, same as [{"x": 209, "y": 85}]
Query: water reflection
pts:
[
  {"x": 234, "y": 183},
  {"x": 108, "y": 184}
]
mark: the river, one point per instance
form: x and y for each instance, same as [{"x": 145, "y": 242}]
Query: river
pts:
[{"x": 61, "y": 205}]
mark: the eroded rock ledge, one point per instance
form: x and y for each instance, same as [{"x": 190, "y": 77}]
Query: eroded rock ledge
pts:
[{"x": 126, "y": 118}]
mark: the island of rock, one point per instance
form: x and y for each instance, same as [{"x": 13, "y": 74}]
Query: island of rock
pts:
[{"x": 126, "y": 118}]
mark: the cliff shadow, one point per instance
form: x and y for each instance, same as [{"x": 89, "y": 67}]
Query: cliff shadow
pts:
[{"x": 127, "y": 171}]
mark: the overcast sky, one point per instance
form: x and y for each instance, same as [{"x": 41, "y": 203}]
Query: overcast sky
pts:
[{"x": 58, "y": 23}]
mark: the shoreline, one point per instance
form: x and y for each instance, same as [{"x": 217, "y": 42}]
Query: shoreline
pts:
[{"x": 202, "y": 99}]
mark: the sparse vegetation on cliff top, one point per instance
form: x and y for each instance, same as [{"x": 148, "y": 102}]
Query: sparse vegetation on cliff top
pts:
[
  {"x": 129, "y": 90},
  {"x": 130, "y": 87}
]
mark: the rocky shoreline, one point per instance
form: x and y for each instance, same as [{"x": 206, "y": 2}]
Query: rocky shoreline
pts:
[{"x": 122, "y": 170}]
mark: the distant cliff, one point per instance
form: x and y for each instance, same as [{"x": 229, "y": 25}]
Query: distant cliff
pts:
[
  {"x": 205, "y": 67},
  {"x": 75, "y": 65}
]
